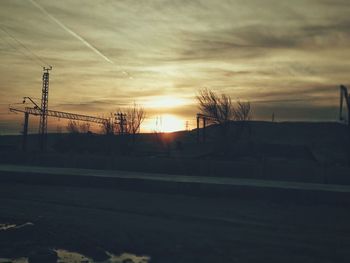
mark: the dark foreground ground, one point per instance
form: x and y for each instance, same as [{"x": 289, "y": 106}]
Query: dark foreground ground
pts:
[{"x": 169, "y": 227}]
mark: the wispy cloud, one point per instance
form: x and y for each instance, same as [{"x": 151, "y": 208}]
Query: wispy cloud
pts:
[
  {"x": 282, "y": 56},
  {"x": 71, "y": 32}
]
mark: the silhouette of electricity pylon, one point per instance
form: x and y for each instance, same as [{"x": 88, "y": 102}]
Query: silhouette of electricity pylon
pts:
[
  {"x": 44, "y": 108},
  {"x": 120, "y": 120}
]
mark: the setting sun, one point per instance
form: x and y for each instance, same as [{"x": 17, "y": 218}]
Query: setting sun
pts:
[
  {"x": 170, "y": 123},
  {"x": 160, "y": 120},
  {"x": 164, "y": 123}
]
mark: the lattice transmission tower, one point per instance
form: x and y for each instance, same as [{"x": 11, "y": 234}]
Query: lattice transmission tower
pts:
[{"x": 44, "y": 108}]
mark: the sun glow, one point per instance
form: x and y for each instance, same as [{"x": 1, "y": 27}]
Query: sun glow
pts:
[
  {"x": 170, "y": 123},
  {"x": 165, "y": 102},
  {"x": 164, "y": 123}
]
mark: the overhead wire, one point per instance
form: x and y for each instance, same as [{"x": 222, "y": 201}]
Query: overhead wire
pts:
[
  {"x": 20, "y": 51},
  {"x": 33, "y": 55}
]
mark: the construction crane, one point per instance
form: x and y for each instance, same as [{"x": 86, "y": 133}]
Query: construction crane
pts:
[
  {"x": 344, "y": 95},
  {"x": 61, "y": 115},
  {"x": 36, "y": 111},
  {"x": 44, "y": 113}
]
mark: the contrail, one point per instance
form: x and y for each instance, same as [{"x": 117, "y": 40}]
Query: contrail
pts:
[{"x": 70, "y": 31}]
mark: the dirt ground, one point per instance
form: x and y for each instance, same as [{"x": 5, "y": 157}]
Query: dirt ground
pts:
[{"x": 170, "y": 228}]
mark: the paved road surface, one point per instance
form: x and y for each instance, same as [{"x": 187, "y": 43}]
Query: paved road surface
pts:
[
  {"x": 171, "y": 227},
  {"x": 52, "y": 171}
]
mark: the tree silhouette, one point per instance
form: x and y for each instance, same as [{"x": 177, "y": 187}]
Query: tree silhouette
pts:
[
  {"x": 108, "y": 127},
  {"x": 219, "y": 109},
  {"x": 73, "y": 127},
  {"x": 135, "y": 115}
]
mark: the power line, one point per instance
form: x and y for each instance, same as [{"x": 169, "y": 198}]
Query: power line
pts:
[
  {"x": 20, "y": 51},
  {"x": 38, "y": 58},
  {"x": 24, "y": 46}
]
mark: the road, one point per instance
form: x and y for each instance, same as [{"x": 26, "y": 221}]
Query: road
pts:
[
  {"x": 171, "y": 227},
  {"x": 87, "y": 174}
]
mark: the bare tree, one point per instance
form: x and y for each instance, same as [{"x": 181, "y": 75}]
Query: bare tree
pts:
[
  {"x": 108, "y": 127},
  {"x": 218, "y": 108},
  {"x": 242, "y": 112},
  {"x": 84, "y": 128},
  {"x": 73, "y": 127},
  {"x": 135, "y": 115}
]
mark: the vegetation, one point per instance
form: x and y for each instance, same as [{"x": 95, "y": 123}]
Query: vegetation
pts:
[
  {"x": 220, "y": 110},
  {"x": 135, "y": 115},
  {"x": 242, "y": 112},
  {"x": 75, "y": 127},
  {"x": 108, "y": 127},
  {"x": 126, "y": 122}
]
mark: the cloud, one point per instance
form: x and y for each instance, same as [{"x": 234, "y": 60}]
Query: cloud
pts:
[
  {"x": 258, "y": 40},
  {"x": 278, "y": 54},
  {"x": 71, "y": 32}
]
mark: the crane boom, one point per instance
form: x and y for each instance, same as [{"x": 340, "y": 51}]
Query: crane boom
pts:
[{"x": 60, "y": 114}]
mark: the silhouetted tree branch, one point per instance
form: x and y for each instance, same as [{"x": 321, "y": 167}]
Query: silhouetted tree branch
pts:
[
  {"x": 242, "y": 112},
  {"x": 108, "y": 127},
  {"x": 220, "y": 110},
  {"x": 84, "y": 128},
  {"x": 135, "y": 115},
  {"x": 73, "y": 127}
]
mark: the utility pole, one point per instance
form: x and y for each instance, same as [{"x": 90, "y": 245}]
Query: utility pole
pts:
[
  {"x": 44, "y": 108},
  {"x": 204, "y": 128},
  {"x": 121, "y": 121},
  {"x": 25, "y": 131},
  {"x": 198, "y": 139},
  {"x": 344, "y": 95},
  {"x": 204, "y": 119}
]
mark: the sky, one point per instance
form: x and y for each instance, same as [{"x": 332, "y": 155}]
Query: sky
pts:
[{"x": 285, "y": 57}]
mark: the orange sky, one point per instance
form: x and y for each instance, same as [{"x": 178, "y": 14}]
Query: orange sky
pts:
[{"x": 286, "y": 57}]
